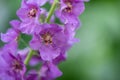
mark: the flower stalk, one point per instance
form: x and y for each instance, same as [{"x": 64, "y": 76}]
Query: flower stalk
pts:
[
  {"x": 29, "y": 56},
  {"x": 52, "y": 9}
]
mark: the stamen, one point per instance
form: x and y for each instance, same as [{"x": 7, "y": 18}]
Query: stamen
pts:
[
  {"x": 47, "y": 38},
  {"x": 32, "y": 13},
  {"x": 69, "y": 7},
  {"x": 17, "y": 66}
]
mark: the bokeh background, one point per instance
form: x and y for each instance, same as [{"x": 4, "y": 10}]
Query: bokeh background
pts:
[{"x": 97, "y": 55}]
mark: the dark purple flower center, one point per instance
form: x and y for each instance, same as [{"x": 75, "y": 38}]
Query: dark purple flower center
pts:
[
  {"x": 47, "y": 38},
  {"x": 32, "y": 13},
  {"x": 17, "y": 66},
  {"x": 69, "y": 7}
]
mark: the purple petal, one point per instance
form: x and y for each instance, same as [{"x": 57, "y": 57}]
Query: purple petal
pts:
[
  {"x": 22, "y": 13},
  {"x": 9, "y": 36},
  {"x": 60, "y": 58},
  {"x": 28, "y": 27},
  {"x": 78, "y": 8},
  {"x": 4, "y": 76},
  {"x": 39, "y": 2},
  {"x": 15, "y": 24},
  {"x": 35, "y": 43},
  {"x": 48, "y": 54},
  {"x": 49, "y": 71}
]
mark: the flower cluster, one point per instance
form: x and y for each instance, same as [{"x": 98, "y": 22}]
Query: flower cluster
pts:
[{"x": 50, "y": 41}]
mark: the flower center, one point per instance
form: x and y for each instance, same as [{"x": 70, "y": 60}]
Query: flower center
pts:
[
  {"x": 32, "y": 13},
  {"x": 47, "y": 38},
  {"x": 69, "y": 7},
  {"x": 17, "y": 66}
]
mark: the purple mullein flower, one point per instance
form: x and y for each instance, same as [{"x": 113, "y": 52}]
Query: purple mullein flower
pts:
[
  {"x": 49, "y": 39},
  {"x": 29, "y": 14},
  {"x": 70, "y": 10},
  {"x": 28, "y": 11},
  {"x": 49, "y": 71},
  {"x": 11, "y": 63},
  {"x": 12, "y": 33},
  {"x": 9, "y": 36},
  {"x": 71, "y": 7}
]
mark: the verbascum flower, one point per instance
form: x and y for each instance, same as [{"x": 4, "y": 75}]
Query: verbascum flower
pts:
[
  {"x": 70, "y": 10},
  {"x": 49, "y": 39},
  {"x": 11, "y": 63},
  {"x": 29, "y": 14},
  {"x": 12, "y": 33}
]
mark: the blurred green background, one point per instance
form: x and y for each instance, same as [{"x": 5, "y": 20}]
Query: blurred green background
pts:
[{"x": 97, "y": 55}]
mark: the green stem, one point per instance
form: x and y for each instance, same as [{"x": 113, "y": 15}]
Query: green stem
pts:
[
  {"x": 26, "y": 62},
  {"x": 52, "y": 9}
]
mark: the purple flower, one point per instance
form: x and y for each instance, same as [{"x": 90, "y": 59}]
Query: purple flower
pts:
[
  {"x": 70, "y": 10},
  {"x": 11, "y": 63},
  {"x": 9, "y": 36},
  {"x": 49, "y": 71},
  {"x": 12, "y": 33},
  {"x": 28, "y": 11},
  {"x": 49, "y": 39},
  {"x": 72, "y": 7},
  {"x": 29, "y": 14}
]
